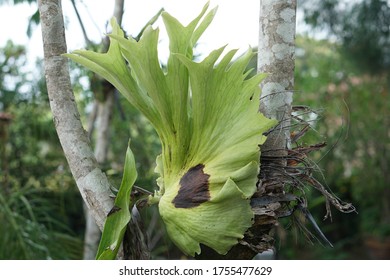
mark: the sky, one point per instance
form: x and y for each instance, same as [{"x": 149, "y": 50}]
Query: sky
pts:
[{"x": 235, "y": 24}]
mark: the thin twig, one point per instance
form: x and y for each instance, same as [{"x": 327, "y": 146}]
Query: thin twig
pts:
[{"x": 88, "y": 42}]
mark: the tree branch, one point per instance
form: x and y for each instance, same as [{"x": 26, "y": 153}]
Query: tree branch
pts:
[
  {"x": 91, "y": 181},
  {"x": 89, "y": 43}
]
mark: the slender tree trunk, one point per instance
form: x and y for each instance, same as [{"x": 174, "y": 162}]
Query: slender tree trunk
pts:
[
  {"x": 104, "y": 110},
  {"x": 276, "y": 57},
  {"x": 92, "y": 119},
  {"x": 103, "y": 122},
  {"x": 103, "y": 119},
  {"x": 91, "y": 181}
]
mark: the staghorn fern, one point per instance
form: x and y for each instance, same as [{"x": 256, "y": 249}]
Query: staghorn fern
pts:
[{"x": 206, "y": 116}]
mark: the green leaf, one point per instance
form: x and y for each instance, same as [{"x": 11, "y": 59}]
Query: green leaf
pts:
[
  {"x": 113, "y": 68},
  {"x": 206, "y": 115},
  {"x": 119, "y": 216},
  {"x": 227, "y": 130}
]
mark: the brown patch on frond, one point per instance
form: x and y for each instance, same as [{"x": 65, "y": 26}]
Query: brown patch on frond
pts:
[{"x": 194, "y": 188}]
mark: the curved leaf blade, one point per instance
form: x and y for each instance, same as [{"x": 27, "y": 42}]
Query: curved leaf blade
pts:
[{"x": 119, "y": 216}]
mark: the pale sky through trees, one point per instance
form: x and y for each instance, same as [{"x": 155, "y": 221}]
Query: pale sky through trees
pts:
[{"x": 235, "y": 24}]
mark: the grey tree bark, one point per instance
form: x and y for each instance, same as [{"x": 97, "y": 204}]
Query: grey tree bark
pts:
[
  {"x": 91, "y": 181},
  {"x": 103, "y": 110},
  {"x": 276, "y": 57}
]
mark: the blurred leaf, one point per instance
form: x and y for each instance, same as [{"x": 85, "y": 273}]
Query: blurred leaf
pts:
[{"x": 32, "y": 23}]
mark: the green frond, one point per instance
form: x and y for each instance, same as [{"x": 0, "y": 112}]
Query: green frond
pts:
[{"x": 206, "y": 115}]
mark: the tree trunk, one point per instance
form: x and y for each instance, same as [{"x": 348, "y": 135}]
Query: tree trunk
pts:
[
  {"x": 277, "y": 58},
  {"x": 104, "y": 110},
  {"x": 103, "y": 120},
  {"x": 91, "y": 181}
]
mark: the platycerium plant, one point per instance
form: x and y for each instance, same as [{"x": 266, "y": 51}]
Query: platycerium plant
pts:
[{"x": 206, "y": 116}]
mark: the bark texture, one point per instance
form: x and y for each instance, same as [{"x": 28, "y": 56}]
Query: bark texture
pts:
[
  {"x": 91, "y": 181},
  {"x": 277, "y": 58}
]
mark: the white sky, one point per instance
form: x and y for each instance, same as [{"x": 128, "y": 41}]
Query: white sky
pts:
[{"x": 235, "y": 24}]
